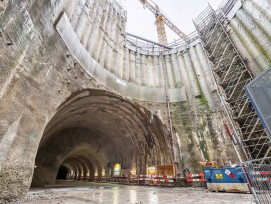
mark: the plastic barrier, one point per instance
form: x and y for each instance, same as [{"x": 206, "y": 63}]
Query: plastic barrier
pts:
[
  {"x": 195, "y": 177},
  {"x": 151, "y": 180}
]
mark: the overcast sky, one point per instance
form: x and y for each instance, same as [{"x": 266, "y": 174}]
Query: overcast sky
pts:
[{"x": 181, "y": 12}]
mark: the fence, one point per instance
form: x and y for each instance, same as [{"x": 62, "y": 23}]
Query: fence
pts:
[{"x": 259, "y": 174}]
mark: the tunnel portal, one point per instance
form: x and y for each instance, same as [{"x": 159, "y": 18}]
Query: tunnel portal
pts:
[{"x": 92, "y": 132}]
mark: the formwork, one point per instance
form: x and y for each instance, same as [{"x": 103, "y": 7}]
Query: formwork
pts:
[{"x": 232, "y": 76}]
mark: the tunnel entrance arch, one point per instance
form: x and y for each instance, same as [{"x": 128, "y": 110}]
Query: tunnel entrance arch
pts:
[{"x": 94, "y": 128}]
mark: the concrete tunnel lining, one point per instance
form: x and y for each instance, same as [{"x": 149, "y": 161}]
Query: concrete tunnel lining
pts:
[{"x": 103, "y": 128}]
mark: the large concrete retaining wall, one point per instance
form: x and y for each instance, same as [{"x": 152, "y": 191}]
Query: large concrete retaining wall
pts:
[
  {"x": 250, "y": 29},
  {"x": 50, "y": 50}
]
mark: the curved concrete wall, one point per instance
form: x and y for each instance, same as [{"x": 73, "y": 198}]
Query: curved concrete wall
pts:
[
  {"x": 128, "y": 71},
  {"x": 50, "y": 50},
  {"x": 250, "y": 29}
]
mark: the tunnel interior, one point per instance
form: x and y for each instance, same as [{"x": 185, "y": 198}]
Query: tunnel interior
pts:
[
  {"x": 62, "y": 173},
  {"x": 94, "y": 130}
]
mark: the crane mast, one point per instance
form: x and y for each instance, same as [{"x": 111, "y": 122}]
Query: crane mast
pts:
[
  {"x": 161, "y": 30},
  {"x": 161, "y": 20}
]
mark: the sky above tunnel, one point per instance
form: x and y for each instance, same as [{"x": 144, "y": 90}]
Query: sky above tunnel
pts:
[{"x": 141, "y": 21}]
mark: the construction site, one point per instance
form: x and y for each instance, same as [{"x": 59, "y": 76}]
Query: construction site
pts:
[{"x": 90, "y": 113}]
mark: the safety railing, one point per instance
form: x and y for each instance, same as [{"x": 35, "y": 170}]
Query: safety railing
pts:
[{"x": 141, "y": 44}]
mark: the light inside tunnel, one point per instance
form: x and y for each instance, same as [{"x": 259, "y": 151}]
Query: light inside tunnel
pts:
[
  {"x": 151, "y": 170},
  {"x": 117, "y": 169},
  {"x": 103, "y": 172}
]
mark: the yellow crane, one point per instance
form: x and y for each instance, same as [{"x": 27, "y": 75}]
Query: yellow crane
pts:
[{"x": 161, "y": 20}]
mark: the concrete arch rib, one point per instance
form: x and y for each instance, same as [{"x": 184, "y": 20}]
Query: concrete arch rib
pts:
[{"x": 94, "y": 128}]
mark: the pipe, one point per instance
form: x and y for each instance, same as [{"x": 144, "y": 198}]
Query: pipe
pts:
[{"x": 173, "y": 142}]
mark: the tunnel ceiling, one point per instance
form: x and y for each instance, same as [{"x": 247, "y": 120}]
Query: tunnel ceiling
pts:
[{"x": 94, "y": 128}]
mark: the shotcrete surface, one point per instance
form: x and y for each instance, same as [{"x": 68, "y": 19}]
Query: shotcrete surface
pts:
[{"x": 82, "y": 192}]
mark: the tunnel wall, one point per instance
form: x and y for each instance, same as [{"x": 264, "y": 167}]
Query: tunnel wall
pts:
[
  {"x": 52, "y": 49},
  {"x": 109, "y": 129},
  {"x": 249, "y": 28}
]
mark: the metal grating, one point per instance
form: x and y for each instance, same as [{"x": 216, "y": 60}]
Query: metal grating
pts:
[{"x": 259, "y": 93}]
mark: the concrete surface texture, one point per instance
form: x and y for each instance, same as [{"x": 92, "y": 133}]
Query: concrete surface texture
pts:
[
  {"x": 73, "y": 92},
  {"x": 74, "y": 193},
  {"x": 249, "y": 28}
]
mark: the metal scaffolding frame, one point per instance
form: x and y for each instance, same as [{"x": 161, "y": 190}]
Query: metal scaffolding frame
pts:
[{"x": 232, "y": 76}]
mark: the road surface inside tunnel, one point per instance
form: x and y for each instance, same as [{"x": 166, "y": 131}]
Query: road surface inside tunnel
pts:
[{"x": 71, "y": 192}]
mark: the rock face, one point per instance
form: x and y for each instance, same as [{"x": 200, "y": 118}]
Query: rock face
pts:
[{"x": 74, "y": 93}]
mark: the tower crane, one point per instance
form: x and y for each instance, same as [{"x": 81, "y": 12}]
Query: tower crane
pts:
[{"x": 161, "y": 20}]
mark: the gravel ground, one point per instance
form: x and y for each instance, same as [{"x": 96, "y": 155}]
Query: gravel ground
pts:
[{"x": 79, "y": 192}]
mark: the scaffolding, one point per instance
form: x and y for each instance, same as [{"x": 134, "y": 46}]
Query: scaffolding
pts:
[{"x": 232, "y": 76}]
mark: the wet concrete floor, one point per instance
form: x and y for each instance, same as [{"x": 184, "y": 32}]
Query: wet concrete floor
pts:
[{"x": 84, "y": 192}]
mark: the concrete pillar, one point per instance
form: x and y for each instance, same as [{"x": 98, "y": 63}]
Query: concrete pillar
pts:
[
  {"x": 149, "y": 71},
  {"x": 120, "y": 58},
  {"x": 94, "y": 29},
  {"x": 259, "y": 37},
  {"x": 126, "y": 65},
  {"x": 205, "y": 68},
  {"x": 264, "y": 6},
  {"x": 158, "y": 77},
  {"x": 111, "y": 34},
  {"x": 176, "y": 71},
  {"x": 138, "y": 69},
  {"x": 161, "y": 70},
  {"x": 101, "y": 30},
  {"x": 168, "y": 65},
  {"x": 82, "y": 21},
  {"x": 249, "y": 44},
  {"x": 102, "y": 53},
  {"x": 77, "y": 12},
  {"x": 184, "y": 74},
  {"x": 132, "y": 67},
  {"x": 252, "y": 66},
  {"x": 192, "y": 75},
  {"x": 262, "y": 19},
  {"x": 90, "y": 21},
  {"x": 69, "y": 8},
  {"x": 200, "y": 74},
  {"x": 144, "y": 71},
  {"x": 116, "y": 40}
]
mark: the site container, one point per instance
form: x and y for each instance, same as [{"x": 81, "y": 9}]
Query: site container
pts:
[{"x": 227, "y": 179}]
